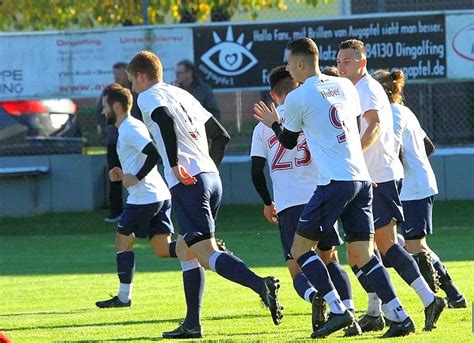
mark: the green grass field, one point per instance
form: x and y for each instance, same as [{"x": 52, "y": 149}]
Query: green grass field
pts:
[{"x": 54, "y": 267}]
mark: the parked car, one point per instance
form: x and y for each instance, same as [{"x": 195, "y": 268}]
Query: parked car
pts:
[{"x": 37, "y": 127}]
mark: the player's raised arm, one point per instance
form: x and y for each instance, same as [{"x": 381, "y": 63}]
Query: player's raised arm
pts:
[
  {"x": 271, "y": 118},
  {"x": 219, "y": 139},
  {"x": 163, "y": 118}
]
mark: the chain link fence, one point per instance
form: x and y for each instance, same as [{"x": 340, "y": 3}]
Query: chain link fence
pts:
[{"x": 445, "y": 108}]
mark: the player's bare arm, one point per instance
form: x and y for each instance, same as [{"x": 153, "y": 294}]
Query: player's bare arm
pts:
[
  {"x": 165, "y": 122},
  {"x": 219, "y": 139},
  {"x": 129, "y": 180},
  {"x": 373, "y": 131}
]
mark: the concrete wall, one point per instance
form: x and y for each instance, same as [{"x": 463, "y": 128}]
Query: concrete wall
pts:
[
  {"x": 75, "y": 183},
  {"x": 78, "y": 182},
  {"x": 454, "y": 169}
]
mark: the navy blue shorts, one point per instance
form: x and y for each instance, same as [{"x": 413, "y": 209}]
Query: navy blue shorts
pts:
[
  {"x": 349, "y": 200},
  {"x": 387, "y": 203},
  {"x": 288, "y": 223},
  {"x": 418, "y": 218},
  {"x": 196, "y": 207},
  {"x": 150, "y": 219}
]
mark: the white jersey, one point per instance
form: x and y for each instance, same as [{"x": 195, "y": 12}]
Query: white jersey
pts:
[
  {"x": 381, "y": 159},
  {"x": 132, "y": 138},
  {"x": 294, "y": 176},
  {"x": 326, "y": 108},
  {"x": 189, "y": 118},
  {"x": 420, "y": 180}
]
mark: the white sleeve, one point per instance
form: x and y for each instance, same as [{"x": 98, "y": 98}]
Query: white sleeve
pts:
[
  {"x": 148, "y": 104},
  {"x": 293, "y": 114},
  {"x": 137, "y": 137},
  {"x": 369, "y": 100},
  {"x": 398, "y": 124},
  {"x": 258, "y": 147}
]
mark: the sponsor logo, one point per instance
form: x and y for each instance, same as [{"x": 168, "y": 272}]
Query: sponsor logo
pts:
[
  {"x": 463, "y": 42},
  {"x": 227, "y": 58}
]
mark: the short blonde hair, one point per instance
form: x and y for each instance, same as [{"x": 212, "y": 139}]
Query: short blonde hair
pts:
[
  {"x": 147, "y": 63},
  {"x": 356, "y": 45}
]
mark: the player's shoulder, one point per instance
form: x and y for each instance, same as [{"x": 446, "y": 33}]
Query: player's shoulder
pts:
[
  {"x": 259, "y": 129},
  {"x": 295, "y": 96}
]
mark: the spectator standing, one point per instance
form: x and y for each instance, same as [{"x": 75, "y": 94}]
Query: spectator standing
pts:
[
  {"x": 188, "y": 79},
  {"x": 110, "y": 135}
]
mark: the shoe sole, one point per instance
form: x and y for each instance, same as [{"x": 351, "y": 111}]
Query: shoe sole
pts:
[
  {"x": 401, "y": 333},
  {"x": 277, "y": 310},
  {"x": 378, "y": 326},
  {"x": 436, "y": 317},
  {"x": 318, "y": 312},
  {"x": 184, "y": 336},
  {"x": 337, "y": 328}
]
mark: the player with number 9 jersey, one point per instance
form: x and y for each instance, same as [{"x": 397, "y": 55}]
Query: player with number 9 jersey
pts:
[{"x": 325, "y": 106}]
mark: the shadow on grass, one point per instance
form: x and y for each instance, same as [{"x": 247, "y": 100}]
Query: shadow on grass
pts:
[
  {"x": 75, "y": 325},
  {"x": 67, "y": 245},
  {"x": 140, "y": 322},
  {"x": 45, "y": 313}
]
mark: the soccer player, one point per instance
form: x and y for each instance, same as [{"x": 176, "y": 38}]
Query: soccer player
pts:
[
  {"x": 419, "y": 187},
  {"x": 148, "y": 207},
  {"x": 293, "y": 167},
  {"x": 181, "y": 128},
  {"x": 326, "y": 108},
  {"x": 386, "y": 170}
]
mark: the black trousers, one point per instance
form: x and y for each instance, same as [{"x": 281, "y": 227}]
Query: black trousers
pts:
[{"x": 115, "y": 189}]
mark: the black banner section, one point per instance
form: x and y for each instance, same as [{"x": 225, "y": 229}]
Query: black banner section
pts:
[{"x": 241, "y": 56}]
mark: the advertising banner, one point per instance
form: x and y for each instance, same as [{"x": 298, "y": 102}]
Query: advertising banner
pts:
[
  {"x": 79, "y": 65},
  {"x": 460, "y": 45},
  {"x": 241, "y": 56}
]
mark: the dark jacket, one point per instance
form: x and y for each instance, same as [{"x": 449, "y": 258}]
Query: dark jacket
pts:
[{"x": 203, "y": 93}]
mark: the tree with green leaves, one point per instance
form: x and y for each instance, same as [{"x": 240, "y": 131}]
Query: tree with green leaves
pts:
[{"x": 36, "y": 15}]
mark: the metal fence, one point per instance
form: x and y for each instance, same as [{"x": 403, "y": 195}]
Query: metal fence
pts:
[{"x": 445, "y": 108}]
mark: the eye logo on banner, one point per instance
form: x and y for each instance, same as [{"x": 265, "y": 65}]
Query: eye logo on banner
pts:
[{"x": 228, "y": 58}]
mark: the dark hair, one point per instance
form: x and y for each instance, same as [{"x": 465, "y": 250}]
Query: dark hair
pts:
[
  {"x": 281, "y": 81},
  {"x": 354, "y": 44},
  {"x": 304, "y": 46},
  {"x": 117, "y": 93},
  {"x": 189, "y": 67},
  {"x": 331, "y": 71},
  {"x": 392, "y": 83},
  {"x": 120, "y": 65},
  {"x": 147, "y": 63}
]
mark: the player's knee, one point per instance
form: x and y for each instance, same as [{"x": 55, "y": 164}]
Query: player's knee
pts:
[
  {"x": 162, "y": 253},
  {"x": 329, "y": 256},
  {"x": 123, "y": 243},
  {"x": 385, "y": 239},
  {"x": 293, "y": 268},
  {"x": 417, "y": 244}
]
